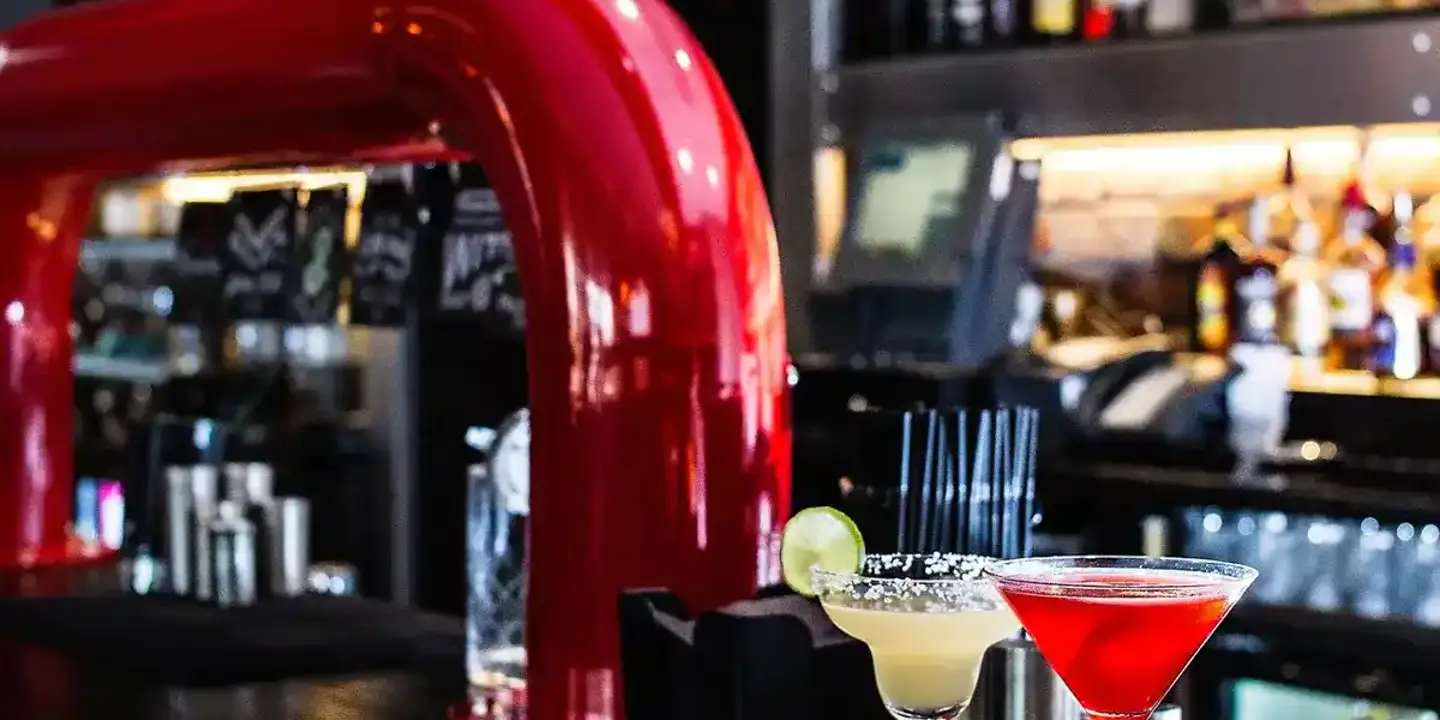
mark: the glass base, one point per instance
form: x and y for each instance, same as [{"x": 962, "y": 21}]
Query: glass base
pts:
[
  {"x": 1118, "y": 716},
  {"x": 945, "y": 713}
]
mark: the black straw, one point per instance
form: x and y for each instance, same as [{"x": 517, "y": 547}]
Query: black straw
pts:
[
  {"x": 905, "y": 437},
  {"x": 967, "y": 494}
]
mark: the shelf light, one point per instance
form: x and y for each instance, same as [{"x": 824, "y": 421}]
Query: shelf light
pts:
[
  {"x": 1399, "y": 155},
  {"x": 219, "y": 187}
]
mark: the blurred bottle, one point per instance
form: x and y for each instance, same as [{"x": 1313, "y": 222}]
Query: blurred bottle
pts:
[
  {"x": 955, "y": 24},
  {"x": 1215, "y": 303},
  {"x": 1114, "y": 19},
  {"x": 1169, "y": 17},
  {"x": 1305, "y": 283},
  {"x": 1405, "y": 305},
  {"x": 1355, "y": 261},
  {"x": 1008, "y": 22},
  {"x": 1054, "y": 21},
  {"x": 1257, "y": 286},
  {"x": 1288, "y": 205}
]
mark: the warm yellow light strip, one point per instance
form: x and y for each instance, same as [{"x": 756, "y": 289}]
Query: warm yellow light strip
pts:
[
  {"x": 1036, "y": 148},
  {"x": 1235, "y": 162},
  {"x": 219, "y": 187}
]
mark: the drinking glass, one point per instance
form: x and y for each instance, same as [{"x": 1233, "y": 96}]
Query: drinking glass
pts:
[
  {"x": 1120, "y": 630},
  {"x": 927, "y": 619}
]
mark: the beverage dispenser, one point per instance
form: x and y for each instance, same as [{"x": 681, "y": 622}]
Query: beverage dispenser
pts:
[{"x": 655, "y": 337}]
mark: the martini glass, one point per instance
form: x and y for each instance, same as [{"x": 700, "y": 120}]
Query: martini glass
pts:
[
  {"x": 927, "y": 619},
  {"x": 1120, "y": 630}
]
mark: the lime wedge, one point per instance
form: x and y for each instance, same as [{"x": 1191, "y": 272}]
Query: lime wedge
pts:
[{"x": 820, "y": 536}]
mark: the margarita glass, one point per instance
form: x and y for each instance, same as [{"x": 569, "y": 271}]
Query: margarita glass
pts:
[
  {"x": 1120, "y": 630},
  {"x": 928, "y": 620}
]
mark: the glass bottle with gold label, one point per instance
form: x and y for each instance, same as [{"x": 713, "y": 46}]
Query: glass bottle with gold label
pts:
[
  {"x": 1355, "y": 261},
  {"x": 1054, "y": 21}
]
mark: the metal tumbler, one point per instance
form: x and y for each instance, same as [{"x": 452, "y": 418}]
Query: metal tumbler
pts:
[
  {"x": 260, "y": 510},
  {"x": 290, "y": 547},
  {"x": 179, "y": 529},
  {"x": 260, "y": 483},
  {"x": 232, "y": 539},
  {"x": 1019, "y": 685},
  {"x": 204, "y": 491},
  {"x": 235, "y": 490}
]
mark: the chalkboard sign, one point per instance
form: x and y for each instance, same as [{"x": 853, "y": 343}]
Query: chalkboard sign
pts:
[
  {"x": 477, "y": 264},
  {"x": 256, "y": 254},
  {"x": 385, "y": 259},
  {"x": 319, "y": 258},
  {"x": 196, "y": 275}
]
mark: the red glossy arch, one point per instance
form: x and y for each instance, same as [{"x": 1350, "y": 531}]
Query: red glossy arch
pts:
[{"x": 651, "y": 277}]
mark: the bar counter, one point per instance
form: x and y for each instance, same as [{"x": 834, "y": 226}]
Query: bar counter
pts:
[{"x": 40, "y": 683}]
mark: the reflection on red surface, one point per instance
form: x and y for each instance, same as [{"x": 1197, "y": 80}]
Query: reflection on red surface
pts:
[{"x": 652, "y": 283}]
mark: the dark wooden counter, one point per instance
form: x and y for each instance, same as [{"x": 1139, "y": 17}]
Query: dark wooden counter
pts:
[
  {"x": 41, "y": 684},
  {"x": 37, "y": 684}
]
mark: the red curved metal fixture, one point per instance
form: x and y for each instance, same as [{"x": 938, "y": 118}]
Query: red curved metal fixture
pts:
[{"x": 656, "y": 340}]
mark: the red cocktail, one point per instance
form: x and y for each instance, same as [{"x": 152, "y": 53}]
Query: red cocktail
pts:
[{"x": 1120, "y": 630}]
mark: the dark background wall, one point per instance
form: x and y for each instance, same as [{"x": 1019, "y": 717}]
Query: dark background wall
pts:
[{"x": 13, "y": 11}]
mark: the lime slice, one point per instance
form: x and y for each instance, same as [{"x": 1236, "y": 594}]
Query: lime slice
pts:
[{"x": 820, "y": 536}]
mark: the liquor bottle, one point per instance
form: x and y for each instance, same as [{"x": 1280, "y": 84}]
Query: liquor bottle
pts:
[
  {"x": 1427, "y": 244},
  {"x": 1097, "y": 19},
  {"x": 1355, "y": 260},
  {"x": 1397, "y": 347},
  {"x": 1306, "y": 285},
  {"x": 955, "y": 24},
  {"x": 1054, "y": 21},
  {"x": 1008, "y": 22},
  {"x": 1114, "y": 19},
  {"x": 1407, "y": 303},
  {"x": 1289, "y": 205},
  {"x": 1408, "y": 297},
  {"x": 1256, "y": 283},
  {"x": 1213, "y": 329},
  {"x": 1169, "y": 17}
]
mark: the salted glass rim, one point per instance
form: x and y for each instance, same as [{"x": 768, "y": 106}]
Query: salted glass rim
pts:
[
  {"x": 1033, "y": 572},
  {"x": 820, "y": 576}
]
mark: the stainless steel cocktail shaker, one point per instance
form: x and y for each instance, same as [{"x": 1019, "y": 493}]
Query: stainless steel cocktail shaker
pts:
[
  {"x": 232, "y": 541},
  {"x": 204, "y": 496},
  {"x": 179, "y": 528},
  {"x": 290, "y": 547}
]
